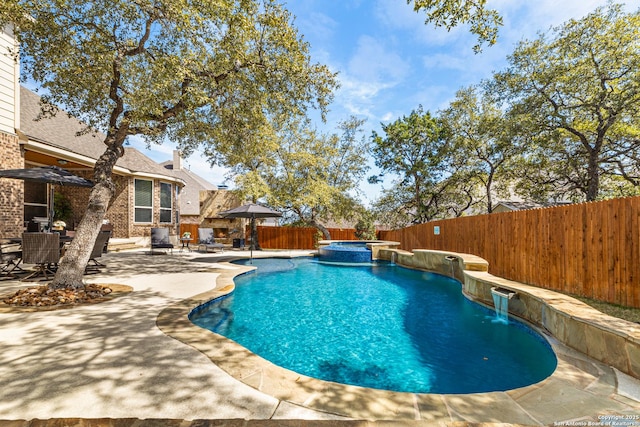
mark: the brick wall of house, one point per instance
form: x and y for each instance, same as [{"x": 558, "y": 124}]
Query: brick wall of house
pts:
[
  {"x": 121, "y": 212},
  {"x": 144, "y": 230},
  {"x": 77, "y": 198},
  {"x": 11, "y": 190},
  {"x": 118, "y": 212}
]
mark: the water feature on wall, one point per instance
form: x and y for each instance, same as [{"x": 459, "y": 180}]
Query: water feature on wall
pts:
[
  {"x": 452, "y": 260},
  {"x": 501, "y": 299}
]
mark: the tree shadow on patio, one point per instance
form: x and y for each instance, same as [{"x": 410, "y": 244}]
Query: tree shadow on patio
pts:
[{"x": 110, "y": 360}]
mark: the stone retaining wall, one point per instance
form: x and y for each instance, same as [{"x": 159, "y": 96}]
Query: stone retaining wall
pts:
[{"x": 607, "y": 339}]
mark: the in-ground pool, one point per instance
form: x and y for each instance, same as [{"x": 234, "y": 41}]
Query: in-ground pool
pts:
[{"x": 378, "y": 326}]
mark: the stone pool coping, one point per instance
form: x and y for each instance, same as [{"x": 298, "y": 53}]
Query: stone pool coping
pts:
[
  {"x": 610, "y": 340},
  {"x": 579, "y": 388}
]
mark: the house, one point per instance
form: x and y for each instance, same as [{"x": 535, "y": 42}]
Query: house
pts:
[
  {"x": 201, "y": 203},
  {"x": 11, "y": 191},
  {"x": 510, "y": 206},
  {"x": 146, "y": 192}
]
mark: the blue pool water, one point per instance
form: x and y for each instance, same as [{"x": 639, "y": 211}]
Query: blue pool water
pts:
[
  {"x": 378, "y": 326},
  {"x": 345, "y": 252}
]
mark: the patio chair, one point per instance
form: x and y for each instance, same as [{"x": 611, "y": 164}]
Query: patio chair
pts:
[
  {"x": 207, "y": 241},
  {"x": 160, "y": 239},
  {"x": 93, "y": 266},
  {"x": 10, "y": 255},
  {"x": 43, "y": 250}
]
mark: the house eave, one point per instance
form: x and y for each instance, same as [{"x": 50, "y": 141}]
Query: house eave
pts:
[{"x": 48, "y": 149}]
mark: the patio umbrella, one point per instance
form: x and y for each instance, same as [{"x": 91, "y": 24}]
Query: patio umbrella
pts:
[
  {"x": 251, "y": 211},
  {"x": 49, "y": 175}
]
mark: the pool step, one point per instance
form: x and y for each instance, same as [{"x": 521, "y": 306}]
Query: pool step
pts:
[{"x": 119, "y": 245}]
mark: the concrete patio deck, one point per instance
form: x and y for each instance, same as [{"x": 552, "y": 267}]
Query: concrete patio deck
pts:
[{"x": 110, "y": 364}]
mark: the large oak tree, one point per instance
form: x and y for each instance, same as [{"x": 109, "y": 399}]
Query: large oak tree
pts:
[
  {"x": 486, "y": 146},
  {"x": 312, "y": 177},
  {"x": 418, "y": 151},
  {"x": 578, "y": 93},
  {"x": 194, "y": 71}
]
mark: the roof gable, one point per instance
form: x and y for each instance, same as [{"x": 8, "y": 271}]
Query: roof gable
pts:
[
  {"x": 69, "y": 134},
  {"x": 190, "y": 195}
]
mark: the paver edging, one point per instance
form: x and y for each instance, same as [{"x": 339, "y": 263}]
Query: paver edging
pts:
[
  {"x": 610, "y": 340},
  {"x": 323, "y": 396}
]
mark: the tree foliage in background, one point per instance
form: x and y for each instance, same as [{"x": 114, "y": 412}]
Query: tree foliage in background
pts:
[
  {"x": 483, "y": 22},
  {"x": 579, "y": 92},
  {"x": 196, "y": 72},
  {"x": 391, "y": 209},
  {"x": 416, "y": 148},
  {"x": 561, "y": 122},
  {"x": 313, "y": 177},
  {"x": 485, "y": 146},
  {"x": 366, "y": 227}
]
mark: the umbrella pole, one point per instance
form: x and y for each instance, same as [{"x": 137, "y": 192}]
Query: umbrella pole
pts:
[
  {"x": 252, "y": 240},
  {"x": 51, "y": 207}
]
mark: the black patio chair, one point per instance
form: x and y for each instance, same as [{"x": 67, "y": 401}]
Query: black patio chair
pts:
[
  {"x": 207, "y": 241},
  {"x": 160, "y": 239},
  {"x": 10, "y": 256},
  {"x": 93, "y": 265}
]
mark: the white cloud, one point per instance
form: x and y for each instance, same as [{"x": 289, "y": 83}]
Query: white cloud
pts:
[
  {"x": 445, "y": 61},
  {"x": 201, "y": 167},
  {"x": 389, "y": 116},
  {"x": 527, "y": 19},
  {"x": 371, "y": 70},
  {"x": 372, "y": 62},
  {"x": 316, "y": 25},
  {"x": 399, "y": 17}
]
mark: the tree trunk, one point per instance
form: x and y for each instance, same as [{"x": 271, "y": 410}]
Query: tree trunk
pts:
[
  {"x": 593, "y": 177},
  {"x": 255, "y": 245},
  {"x": 72, "y": 266},
  {"x": 325, "y": 233},
  {"x": 489, "y": 196}
]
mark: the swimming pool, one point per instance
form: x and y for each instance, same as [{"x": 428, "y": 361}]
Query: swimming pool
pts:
[{"x": 378, "y": 326}]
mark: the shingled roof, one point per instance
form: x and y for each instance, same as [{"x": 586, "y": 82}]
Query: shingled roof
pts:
[
  {"x": 519, "y": 206},
  {"x": 62, "y": 132}
]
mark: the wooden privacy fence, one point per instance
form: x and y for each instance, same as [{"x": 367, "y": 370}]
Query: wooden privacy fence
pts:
[
  {"x": 297, "y": 237},
  {"x": 284, "y": 237},
  {"x": 589, "y": 249}
]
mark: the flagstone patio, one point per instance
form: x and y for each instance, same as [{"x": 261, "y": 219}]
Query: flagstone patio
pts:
[{"x": 111, "y": 363}]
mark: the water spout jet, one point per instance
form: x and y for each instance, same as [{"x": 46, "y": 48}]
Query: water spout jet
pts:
[{"x": 501, "y": 297}]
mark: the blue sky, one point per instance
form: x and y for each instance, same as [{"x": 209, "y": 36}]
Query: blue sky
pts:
[{"x": 389, "y": 61}]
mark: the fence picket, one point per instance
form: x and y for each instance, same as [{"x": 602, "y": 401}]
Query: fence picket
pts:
[{"x": 590, "y": 249}]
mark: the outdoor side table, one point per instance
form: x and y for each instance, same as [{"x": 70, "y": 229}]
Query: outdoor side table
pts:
[{"x": 185, "y": 243}]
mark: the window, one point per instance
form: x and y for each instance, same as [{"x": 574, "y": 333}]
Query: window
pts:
[
  {"x": 166, "y": 200},
  {"x": 35, "y": 200},
  {"x": 143, "y": 203}
]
